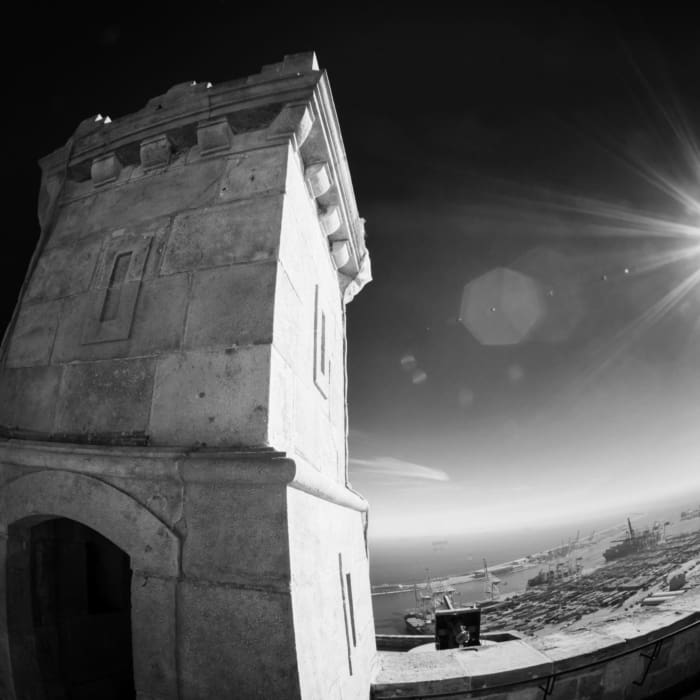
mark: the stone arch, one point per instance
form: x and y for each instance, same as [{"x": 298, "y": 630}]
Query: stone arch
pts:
[
  {"x": 153, "y": 549},
  {"x": 152, "y": 546}
]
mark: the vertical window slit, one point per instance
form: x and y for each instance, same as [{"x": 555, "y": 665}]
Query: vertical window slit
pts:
[
  {"x": 345, "y": 611},
  {"x": 323, "y": 342},
  {"x": 348, "y": 579},
  {"x": 110, "y": 309}
]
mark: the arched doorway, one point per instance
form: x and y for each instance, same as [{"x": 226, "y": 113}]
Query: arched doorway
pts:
[{"x": 69, "y": 612}]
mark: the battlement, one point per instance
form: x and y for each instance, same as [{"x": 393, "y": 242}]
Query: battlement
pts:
[{"x": 287, "y": 102}]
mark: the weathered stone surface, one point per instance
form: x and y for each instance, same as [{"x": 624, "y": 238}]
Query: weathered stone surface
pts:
[
  {"x": 282, "y": 409},
  {"x": 208, "y": 338},
  {"x": 590, "y": 685},
  {"x": 288, "y": 318},
  {"x": 164, "y": 497},
  {"x": 314, "y": 439},
  {"x": 620, "y": 675},
  {"x": 533, "y": 693},
  {"x": 148, "y": 198},
  {"x": 105, "y": 169},
  {"x": 565, "y": 688},
  {"x": 318, "y": 177},
  {"x": 330, "y": 220},
  {"x": 231, "y": 306},
  {"x": 294, "y": 121},
  {"x": 153, "y": 620},
  {"x": 319, "y": 532},
  {"x": 153, "y": 548},
  {"x": 253, "y": 173},
  {"x": 218, "y": 398},
  {"x": 110, "y": 397},
  {"x": 306, "y": 262},
  {"x": 260, "y": 663},
  {"x": 155, "y": 151},
  {"x": 119, "y": 243},
  {"x": 6, "y": 685},
  {"x": 96, "y": 328},
  {"x": 236, "y": 534},
  {"x": 33, "y": 334},
  {"x": 157, "y": 325},
  {"x": 28, "y": 397},
  {"x": 214, "y": 135},
  {"x": 64, "y": 270},
  {"x": 71, "y": 219},
  {"x": 242, "y": 231}
]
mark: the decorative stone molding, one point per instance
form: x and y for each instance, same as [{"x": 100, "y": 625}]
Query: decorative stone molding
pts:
[
  {"x": 295, "y": 120},
  {"x": 330, "y": 220},
  {"x": 249, "y": 468},
  {"x": 295, "y": 63},
  {"x": 318, "y": 178},
  {"x": 116, "y": 290},
  {"x": 105, "y": 169},
  {"x": 155, "y": 151},
  {"x": 152, "y": 546},
  {"x": 214, "y": 135},
  {"x": 341, "y": 253},
  {"x": 286, "y": 100},
  {"x": 359, "y": 281}
]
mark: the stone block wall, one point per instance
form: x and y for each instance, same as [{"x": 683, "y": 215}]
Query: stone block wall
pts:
[
  {"x": 185, "y": 360},
  {"x": 174, "y": 379},
  {"x": 192, "y": 275}
]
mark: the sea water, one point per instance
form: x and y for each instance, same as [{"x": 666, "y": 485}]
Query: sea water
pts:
[
  {"x": 409, "y": 561},
  {"x": 413, "y": 560}
]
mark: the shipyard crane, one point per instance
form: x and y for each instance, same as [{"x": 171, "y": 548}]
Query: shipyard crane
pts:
[{"x": 490, "y": 587}]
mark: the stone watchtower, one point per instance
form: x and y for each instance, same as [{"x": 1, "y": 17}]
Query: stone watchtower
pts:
[{"x": 175, "y": 516}]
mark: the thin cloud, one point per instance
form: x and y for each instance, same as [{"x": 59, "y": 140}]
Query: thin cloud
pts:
[{"x": 388, "y": 466}]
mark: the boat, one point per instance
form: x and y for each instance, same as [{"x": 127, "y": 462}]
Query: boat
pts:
[
  {"x": 429, "y": 598},
  {"x": 633, "y": 543},
  {"x": 543, "y": 577}
]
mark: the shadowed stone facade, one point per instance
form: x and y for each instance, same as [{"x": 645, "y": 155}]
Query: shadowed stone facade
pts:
[{"x": 173, "y": 380}]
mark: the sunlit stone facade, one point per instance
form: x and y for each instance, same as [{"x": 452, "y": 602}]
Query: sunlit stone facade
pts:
[{"x": 174, "y": 379}]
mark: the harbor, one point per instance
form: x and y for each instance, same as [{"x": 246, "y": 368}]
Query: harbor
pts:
[{"x": 583, "y": 582}]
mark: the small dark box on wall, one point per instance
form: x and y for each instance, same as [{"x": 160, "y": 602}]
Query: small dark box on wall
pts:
[{"x": 457, "y": 628}]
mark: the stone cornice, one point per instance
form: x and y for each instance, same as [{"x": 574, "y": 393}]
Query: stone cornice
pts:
[
  {"x": 287, "y": 101},
  {"x": 246, "y": 466}
]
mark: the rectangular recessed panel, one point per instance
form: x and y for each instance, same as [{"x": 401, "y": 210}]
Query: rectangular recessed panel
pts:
[
  {"x": 111, "y": 303},
  {"x": 320, "y": 355},
  {"x": 345, "y": 611}
]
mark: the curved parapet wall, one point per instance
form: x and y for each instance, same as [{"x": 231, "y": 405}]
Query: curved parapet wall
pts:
[{"x": 642, "y": 656}]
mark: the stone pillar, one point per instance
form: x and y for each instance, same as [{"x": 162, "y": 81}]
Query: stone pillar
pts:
[
  {"x": 154, "y": 635},
  {"x": 174, "y": 378},
  {"x": 6, "y": 677}
]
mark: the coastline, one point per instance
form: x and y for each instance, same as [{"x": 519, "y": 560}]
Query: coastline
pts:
[
  {"x": 591, "y": 550},
  {"x": 391, "y": 601}
]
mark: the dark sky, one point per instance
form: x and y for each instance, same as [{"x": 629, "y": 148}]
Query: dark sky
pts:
[{"x": 553, "y": 142}]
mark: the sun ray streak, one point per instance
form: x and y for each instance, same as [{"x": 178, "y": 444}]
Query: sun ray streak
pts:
[{"x": 621, "y": 341}]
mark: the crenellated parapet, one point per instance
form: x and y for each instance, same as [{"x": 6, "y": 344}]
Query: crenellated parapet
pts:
[{"x": 287, "y": 102}]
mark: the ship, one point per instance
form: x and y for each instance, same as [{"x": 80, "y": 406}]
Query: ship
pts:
[
  {"x": 633, "y": 543},
  {"x": 544, "y": 577},
  {"x": 429, "y": 598},
  {"x": 561, "y": 572},
  {"x": 690, "y": 514}
]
